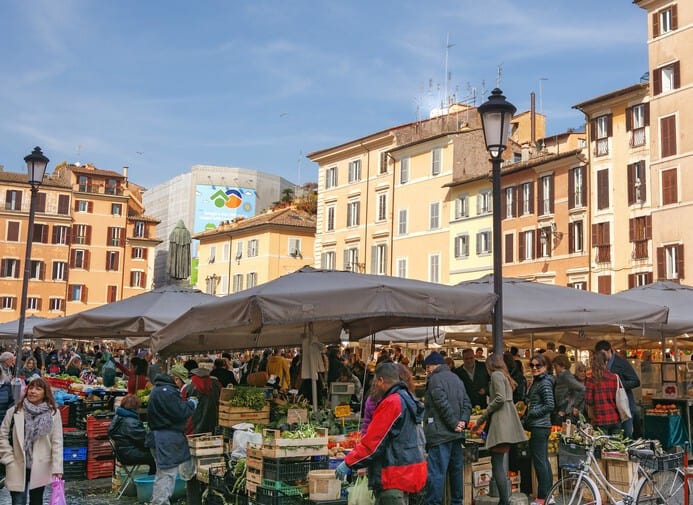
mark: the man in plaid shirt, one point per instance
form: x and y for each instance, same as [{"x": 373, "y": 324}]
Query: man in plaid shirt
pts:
[{"x": 600, "y": 396}]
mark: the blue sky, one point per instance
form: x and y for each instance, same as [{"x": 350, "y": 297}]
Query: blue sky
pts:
[{"x": 162, "y": 85}]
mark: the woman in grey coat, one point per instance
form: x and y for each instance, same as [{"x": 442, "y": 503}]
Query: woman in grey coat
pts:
[
  {"x": 503, "y": 424},
  {"x": 569, "y": 393}
]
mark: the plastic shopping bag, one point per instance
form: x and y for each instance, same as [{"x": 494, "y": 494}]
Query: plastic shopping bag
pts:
[
  {"x": 360, "y": 494},
  {"x": 58, "y": 492}
]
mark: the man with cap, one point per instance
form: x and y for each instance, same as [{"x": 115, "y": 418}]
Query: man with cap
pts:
[
  {"x": 167, "y": 415},
  {"x": 447, "y": 413}
]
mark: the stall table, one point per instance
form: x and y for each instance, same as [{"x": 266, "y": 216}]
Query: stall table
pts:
[{"x": 682, "y": 426}]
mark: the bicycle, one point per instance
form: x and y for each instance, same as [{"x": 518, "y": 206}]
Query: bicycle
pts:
[{"x": 657, "y": 480}]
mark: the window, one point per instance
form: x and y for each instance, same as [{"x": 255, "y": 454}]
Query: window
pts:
[
  {"x": 382, "y": 207},
  {"x": 33, "y": 303},
  {"x": 330, "y": 177},
  {"x": 526, "y": 198},
  {"x": 667, "y": 132},
  {"x": 59, "y": 271},
  {"x": 639, "y": 279},
  {"x": 545, "y": 200},
  {"x": 461, "y": 206},
  {"x": 8, "y": 302},
  {"x": 601, "y": 240},
  {"x": 116, "y": 209},
  {"x": 351, "y": 259},
  {"x": 237, "y": 283},
  {"x": 576, "y": 238},
  {"x": 544, "y": 236},
  {"x": 382, "y": 169},
  {"x": 63, "y": 205},
  {"x": 13, "y": 200},
  {"x": 239, "y": 250},
  {"x": 40, "y": 235},
  {"x": 355, "y": 171},
  {"x": 37, "y": 269},
  {"x": 328, "y": 260},
  {"x": 670, "y": 262},
  {"x": 434, "y": 216},
  {"x": 509, "y": 203},
  {"x": 434, "y": 268},
  {"x": 462, "y": 246},
  {"x": 637, "y": 118},
  {"x": 138, "y": 279},
  {"x": 112, "y": 260},
  {"x": 13, "y": 231},
  {"x": 670, "y": 191},
  {"x": 251, "y": 280},
  {"x": 636, "y": 183},
  {"x": 604, "y": 284},
  {"x": 55, "y": 304},
  {"x": 483, "y": 242},
  {"x": 640, "y": 231},
  {"x": 226, "y": 252},
  {"x": 353, "y": 211},
  {"x": 484, "y": 202},
  {"x": 295, "y": 247},
  {"x": 211, "y": 284},
  {"x": 603, "y": 189},
  {"x": 329, "y": 219},
  {"x": 526, "y": 245},
  {"x": 252, "y": 248},
  {"x": 224, "y": 284},
  {"x": 509, "y": 248},
  {"x": 81, "y": 234},
  {"x": 79, "y": 259},
  {"x": 600, "y": 132},
  {"x": 77, "y": 293},
  {"x": 61, "y": 235},
  {"x": 84, "y": 183},
  {"x": 667, "y": 78},
  {"x": 402, "y": 268},
  {"x": 402, "y": 225},
  {"x": 576, "y": 188},
  {"x": 140, "y": 229},
  {"x": 581, "y": 285},
  {"x": 664, "y": 21},
  {"x": 10, "y": 267},
  {"x": 404, "y": 171},
  {"x": 112, "y": 187},
  {"x": 379, "y": 259},
  {"x": 40, "y": 205},
  {"x": 111, "y": 294},
  {"x": 83, "y": 206},
  {"x": 436, "y": 161},
  {"x": 140, "y": 253},
  {"x": 116, "y": 237}
]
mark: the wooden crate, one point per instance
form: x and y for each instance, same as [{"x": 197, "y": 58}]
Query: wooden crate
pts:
[
  {"x": 205, "y": 444},
  {"x": 273, "y": 446},
  {"x": 230, "y": 416},
  {"x": 204, "y": 463}
]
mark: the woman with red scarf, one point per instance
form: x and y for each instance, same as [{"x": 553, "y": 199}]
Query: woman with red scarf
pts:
[{"x": 136, "y": 374}]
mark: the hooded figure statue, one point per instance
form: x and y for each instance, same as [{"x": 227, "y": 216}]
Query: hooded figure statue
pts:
[{"x": 179, "y": 252}]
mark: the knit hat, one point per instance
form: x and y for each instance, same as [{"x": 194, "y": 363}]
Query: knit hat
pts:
[
  {"x": 200, "y": 372},
  {"x": 435, "y": 358},
  {"x": 179, "y": 371}
]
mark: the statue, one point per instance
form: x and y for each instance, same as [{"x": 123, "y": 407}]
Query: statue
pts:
[{"x": 179, "y": 259}]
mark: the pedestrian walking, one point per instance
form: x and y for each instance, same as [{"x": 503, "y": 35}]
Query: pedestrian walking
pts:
[
  {"x": 600, "y": 396},
  {"x": 568, "y": 391}
]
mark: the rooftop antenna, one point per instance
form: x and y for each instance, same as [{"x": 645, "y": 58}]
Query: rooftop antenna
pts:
[
  {"x": 498, "y": 77},
  {"x": 448, "y": 45}
]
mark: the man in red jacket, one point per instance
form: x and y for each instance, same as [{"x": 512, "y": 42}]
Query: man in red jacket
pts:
[{"x": 393, "y": 447}]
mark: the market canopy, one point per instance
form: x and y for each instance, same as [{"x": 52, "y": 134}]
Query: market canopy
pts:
[
  {"x": 320, "y": 303},
  {"x": 530, "y": 306},
  {"x": 137, "y": 316},
  {"x": 10, "y": 329}
]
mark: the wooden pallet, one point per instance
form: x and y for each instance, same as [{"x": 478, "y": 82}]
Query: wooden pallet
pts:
[
  {"x": 205, "y": 444},
  {"x": 230, "y": 416}
]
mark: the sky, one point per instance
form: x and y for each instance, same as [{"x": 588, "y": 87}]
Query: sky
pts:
[{"x": 159, "y": 86}]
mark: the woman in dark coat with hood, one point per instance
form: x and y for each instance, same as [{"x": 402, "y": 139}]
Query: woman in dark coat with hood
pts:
[{"x": 128, "y": 433}]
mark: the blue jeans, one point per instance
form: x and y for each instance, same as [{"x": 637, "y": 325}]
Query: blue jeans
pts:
[
  {"x": 539, "y": 448},
  {"x": 445, "y": 459}
]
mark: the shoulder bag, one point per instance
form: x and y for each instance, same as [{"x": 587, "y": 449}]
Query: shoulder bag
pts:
[{"x": 622, "y": 403}]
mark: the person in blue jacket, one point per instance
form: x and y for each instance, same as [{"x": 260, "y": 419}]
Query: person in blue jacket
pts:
[{"x": 167, "y": 415}]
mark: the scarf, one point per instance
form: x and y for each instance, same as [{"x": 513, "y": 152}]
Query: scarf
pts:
[
  {"x": 38, "y": 422},
  {"x": 202, "y": 384}
]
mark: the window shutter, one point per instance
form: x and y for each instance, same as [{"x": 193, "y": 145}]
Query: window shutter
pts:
[
  {"x": 43, "y": 270},
  {"x": 521, "y": 245},
  {"x": 604, "y": 283},
  {"x": 86, "y": 259},
  {"x": 680, "y": 261},
  {"x": 374, "y": 259},
  {"x": 520, "y": 200},
  {"x": 478, "y": 204},
  {"x": 609, "y": 125},
  {"x": 571, "y": 188},
  {"x": 593, "y": 130},
  {"x": 76, "y": 205},
  {"x": 41, "y": 202},
  {"x": 540, "y": 197},
  {"x": 143, "y": 278},
  {"x": 661, "y": 264},
  {"x": 84, "y": 294},
  {"x": 72, "y": 259},
  {"x": 631, "y": 281},
  {"x": 571, "y": 238},
  {"x": 643, "y": 182},
  {"x": 90, "y": 207},
  {"x": 631, "y": 229},
  {"x": 121, "y": 242},
  {"x": 668, "y": 135},
  {"x": 478, "y": 243},
  {"x": 117, "y": 261},
  {"x": 629, "y": 118},
  {"x": 54, "y": 236},
  {"x": 13, "y": 231},
  {"x": 648, "y": 227},
  {"x": 603, "y": 189},
  {"x": 631, "y": 183},
  {"x": 504, "y": 204},
  {"x": 655, "y": 25},
  {"x": 674, "y": 17},
  {"x": 677, "y": 75},
  {"x": 109, "y": 235},
  {"x": 656, "y": 81},
  {"x": 68, "y": 234},
  {"x": 552, "y": 196},
  {"x": 531, "y": 197},
  {"x": 509, "y": 248},
  {"x": 63, "y": 204},
  {"x": 516, "y": 208},
  {"x": 595, "y": 235},
  {"x": 647, "y": 114}
]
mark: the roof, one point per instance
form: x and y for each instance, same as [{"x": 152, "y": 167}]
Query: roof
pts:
[
  {"x": 21, "y": 178},
  {"x": 613, "y": 94},
  {"x": 90, "y": 169},
  {"x": 289, "y": 216},
  {"x": 149, "y": 219}
]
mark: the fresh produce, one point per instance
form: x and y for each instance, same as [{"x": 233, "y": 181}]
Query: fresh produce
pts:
[
  {"x": 143, "y": 394},
  {"x": 248, "y": 397},
  {"x": 303, "y": 431}
]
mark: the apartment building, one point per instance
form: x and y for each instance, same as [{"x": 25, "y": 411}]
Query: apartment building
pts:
[
  {"x": 91, "y": 244},
  {"x": 618, "y": 125},
  {"x": 242, "y": 253}
]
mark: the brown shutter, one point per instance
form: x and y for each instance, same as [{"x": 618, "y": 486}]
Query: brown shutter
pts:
[
  {"x": 503, "y": 204},
  {"x": 571, "y": 187},
  {"x": 88, "y": 242},
  {"x": 643, "y": 182},
  {"x": 661, "y": 264},
  {"x": 656, "y": 81},
  {"x": 84, "y": 293},
  {"x": 76, "y": 205},
  {"x": 72, "y": 258},
  {"x": 647, "y": 114},
  {"x": 655, "y": 25},
  {"x": 648, "y": 228},
  {"x": 593, "y": 130},
  {"x": 90, "y": 207},
  {"x": 631, "y": 229},
  {"x": 145, "y": 250},
  {"x": 631, "y": 183},
  {"x": 40, "y": 202},
  {"x": 680, "y": 261},
  {"x": 509, "y": 248},
  {"x": 43, "y": 270},
  {"x": 121, "y": 241},
  {"x": 63, "y": 204},
  {"x": 603, "y": 189},
  {"x": 595, "y": 235},
  {"x": 13, "y": 231},
  {"x": 677, "y": 75},
  {"x": 604, "y": 284},
  {"x": 674, "y": 17},
  {"x": 531, "y": 197},
  {"x": 609, "y": 125},
  {"x": 552, "y": 196},
  {"x": 629, "y": 118},
  {"x": 516, "y": 207},
  {"x": 521, "y": 245},
  {"x": 520, "y": 200},
  {"x": 668, "y": 135},
  {"x": 143, "y": 277},
  {"x": 571, "y": 237},
  {"x": 86, "y": 259},
  {"x": 540, "y": 197},
  {"x": 631, "y": 281}
]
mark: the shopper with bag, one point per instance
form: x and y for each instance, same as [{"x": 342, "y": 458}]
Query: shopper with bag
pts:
[
  {"x": 569, "y": 393},
  {"x": 31, "y": 443},
  {"x": 600, "y": 396}
]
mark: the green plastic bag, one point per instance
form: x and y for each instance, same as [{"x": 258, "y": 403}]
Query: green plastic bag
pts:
[{"x": 360, "y": 494}]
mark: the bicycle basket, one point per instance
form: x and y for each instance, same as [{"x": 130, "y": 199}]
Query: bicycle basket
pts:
[
  {"x": 663, "y": 462},
  {"x": 571, "y": 455}
]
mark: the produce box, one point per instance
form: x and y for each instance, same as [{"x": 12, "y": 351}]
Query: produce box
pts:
[
  {"x": 230, "y": 416},
  {"x": 620, "y": 473},
  {"x": 204, "y": 463},
  {"x": 274, "y": 446},
  {"x": 205, "y": 444}
]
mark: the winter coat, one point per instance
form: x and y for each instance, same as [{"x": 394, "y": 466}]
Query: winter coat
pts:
[
  {"x": 6, "y": 399},
  {"x": 276, "y": 365},
  {"x": 629, "y": 378},
  {"x": 206, "y": 415},
  {"x": 129, "y": 434},
  {"x": 47, "y": 454},
  {"x": 540, "y": 403},
  {"x": 475, "y": 384},
  {"x": 568, "y": 393},
  {"x": 167, "y": 414},
  {"x": 393, "y": 447},
  {"x": 446, "y": 404},
  {"x": 504, "y": 423}
]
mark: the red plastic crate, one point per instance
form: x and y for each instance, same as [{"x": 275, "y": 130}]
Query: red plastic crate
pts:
[
  {"x": 98, "y": 469},
  {"x": 99, "y": 449},
  {"x": 64, "y": 414},
  {"x": 97, "y": 428},
  {"x": 59, "y": 383}
]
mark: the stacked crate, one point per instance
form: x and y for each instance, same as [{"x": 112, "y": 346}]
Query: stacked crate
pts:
[
  {"x": 100, "y": 459},
  {"x": 74, "y": 454}
]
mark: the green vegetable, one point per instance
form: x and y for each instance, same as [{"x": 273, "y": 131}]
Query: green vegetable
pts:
[{"x": 248, "y": 397}]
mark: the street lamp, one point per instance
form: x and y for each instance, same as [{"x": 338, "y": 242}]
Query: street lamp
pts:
[
  {"x": 36, "y": 164},
  {"x": 496, "y": 114}
]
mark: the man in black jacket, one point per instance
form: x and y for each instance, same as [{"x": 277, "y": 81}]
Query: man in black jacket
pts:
[
  {"x": 630, "y": 381},
  {"x": 475, "y": 377}
]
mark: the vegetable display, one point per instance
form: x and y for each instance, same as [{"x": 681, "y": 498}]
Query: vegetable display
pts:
[{"x": 247, "y": 397}]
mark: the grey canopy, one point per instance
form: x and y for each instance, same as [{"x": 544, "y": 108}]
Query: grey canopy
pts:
[
  {"x": 11, "y": 328},
  {"x": 320, "y": 303}
]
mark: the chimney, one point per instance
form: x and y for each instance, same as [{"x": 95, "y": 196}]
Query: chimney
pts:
[
  {"x": 525, "y": 151},
  {"x": 125, "y": 172}
]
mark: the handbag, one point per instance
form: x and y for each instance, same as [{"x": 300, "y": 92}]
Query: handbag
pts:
[{"x": 622, "y": 403}]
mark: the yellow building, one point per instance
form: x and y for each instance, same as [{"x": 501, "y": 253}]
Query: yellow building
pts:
[{"x": 241, "y": 254}]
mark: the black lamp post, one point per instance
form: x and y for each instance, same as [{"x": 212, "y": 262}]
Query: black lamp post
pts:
[
  {"x": 36, "y": 164},
  {"x": 496, "y": 114}
]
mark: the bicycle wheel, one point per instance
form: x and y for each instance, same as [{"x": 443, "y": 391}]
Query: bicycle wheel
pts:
[
  {"x": 573, "y": 491},
  {"x": 662, "y": 488}
]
